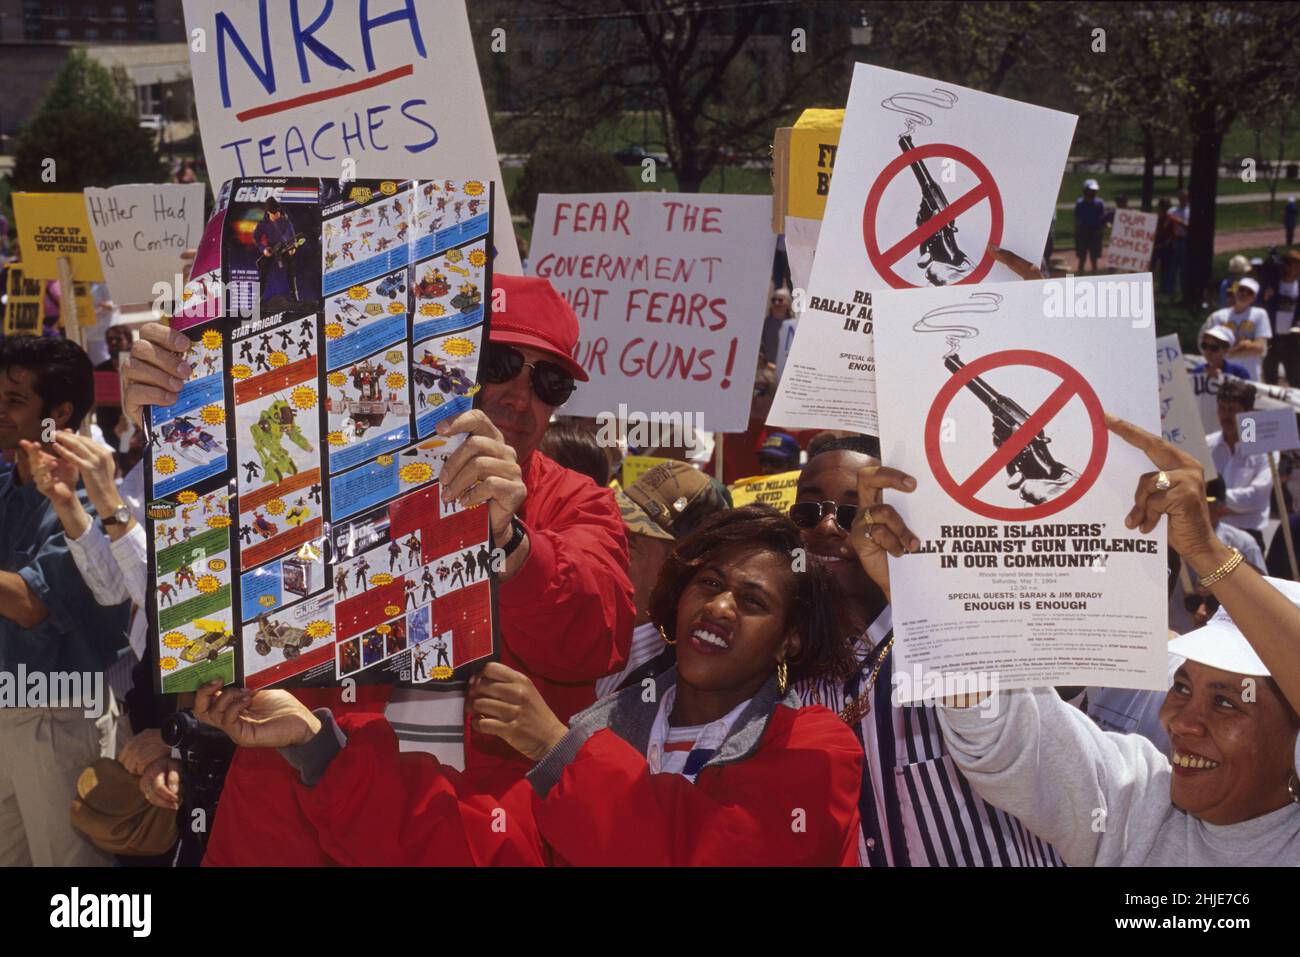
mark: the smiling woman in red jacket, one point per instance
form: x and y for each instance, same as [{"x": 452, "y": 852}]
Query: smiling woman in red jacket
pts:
[{"x": 712, "y": 763}]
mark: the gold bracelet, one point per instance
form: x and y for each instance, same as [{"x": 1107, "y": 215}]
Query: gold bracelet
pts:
[{"x": 1223, "y": 571}]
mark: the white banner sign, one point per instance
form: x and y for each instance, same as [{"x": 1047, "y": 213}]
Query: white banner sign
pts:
[
  {"x": 1026, "y": 575},
  {"x": 669, "y": 289},
  {"x": 1268, "y": 430},
  {"x": 1180, "y": 418},
  {"x": 140, "y": 233},
  {"x": 392, "y": 87},
  {"x": 928, "y": 175},
  {"x": 1132, "y": 238}
]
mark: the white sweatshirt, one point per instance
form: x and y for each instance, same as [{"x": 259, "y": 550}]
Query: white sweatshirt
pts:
[{"x": 1099, "y": 797}]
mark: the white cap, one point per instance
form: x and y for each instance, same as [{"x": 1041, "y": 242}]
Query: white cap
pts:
[
  {"x": 1092, "y": 184},
  {"x": 1248, "y": 283},
  {"x": 1239, "y": 265},
  {"x": 1222, "y": 333},
  {"x": 1220, "y": 643}
]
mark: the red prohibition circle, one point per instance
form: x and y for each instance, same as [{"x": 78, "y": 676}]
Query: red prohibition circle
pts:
[
  {"x": 987, "y": 189},
  {"x": 1071, "y": 379}
]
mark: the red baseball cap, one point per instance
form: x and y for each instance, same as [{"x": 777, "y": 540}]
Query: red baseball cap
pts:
[{"x": 535, "y": 315}]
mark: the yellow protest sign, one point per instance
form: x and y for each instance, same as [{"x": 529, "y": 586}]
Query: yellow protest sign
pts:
[
  {"x": 24, "y": 303},
  {"x": 54, "y": 225},
  {"x": 813, "y": 142},
  {"x": 775, "y": 490},
  {"x": 85, "y": 305},
  {"x": 634, "y": 466}
]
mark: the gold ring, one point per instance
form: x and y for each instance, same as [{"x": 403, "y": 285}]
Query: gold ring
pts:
[
  {"x": 1162, "y": 482},
  {"x": 868, "y": 520}
]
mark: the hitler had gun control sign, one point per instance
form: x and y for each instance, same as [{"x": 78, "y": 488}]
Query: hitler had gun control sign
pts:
[
  {"x": 993, "y": 399},
  {"x": 297, "y": 531},
  {"x": 927, "y": 176}
]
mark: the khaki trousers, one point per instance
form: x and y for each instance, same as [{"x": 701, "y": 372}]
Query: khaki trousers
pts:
[{"x": 42, "y": 753}]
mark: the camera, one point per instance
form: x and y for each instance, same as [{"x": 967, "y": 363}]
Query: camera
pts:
[{"x": 206, "y": 754}]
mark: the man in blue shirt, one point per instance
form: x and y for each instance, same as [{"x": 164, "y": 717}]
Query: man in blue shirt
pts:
[
  {"x": 1089, "y": 224},
  {"x": 52, "y": 632}
]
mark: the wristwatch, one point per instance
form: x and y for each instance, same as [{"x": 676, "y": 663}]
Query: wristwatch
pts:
[
  {"x": 516, "y": 537},
  {"x": 120, "y": 516}
]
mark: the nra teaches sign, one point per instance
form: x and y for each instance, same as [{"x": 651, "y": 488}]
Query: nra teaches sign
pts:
[{"x": 394, "y": 87}]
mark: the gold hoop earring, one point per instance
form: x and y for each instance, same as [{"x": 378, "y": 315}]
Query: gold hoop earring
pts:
[
  {"x": 664, "y": 635},
  {"x": 782, "y": 678}
]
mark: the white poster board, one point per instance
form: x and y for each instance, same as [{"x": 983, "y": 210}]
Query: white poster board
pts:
[
  {"x": 800, "y": 246},
  {"x": 1027, "y": 576},
  {"x": 927, "y": 175},
  {"x": 140, "y": 232},
  {"x": 1268, "y": 430},
  {"x": 670, "y": 293},
  {"x": 393, "y": 87},
  {"x": 1180, "y": 418},
  {"x": 1132, "y": 237}
]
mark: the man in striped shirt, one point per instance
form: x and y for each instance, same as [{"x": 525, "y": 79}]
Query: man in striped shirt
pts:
[{"x": 916, "y": 808}]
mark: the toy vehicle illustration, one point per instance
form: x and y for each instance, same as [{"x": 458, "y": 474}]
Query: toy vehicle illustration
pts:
[
  {"x": 275, "y": 634},
  {"x": 467, "y": 297},
  {"x": 263, "y": 525},
  {"x": 390, "y": 287},
  {"x": 370, "y": 407},
  {"x": 215, "y": 637},
  {"x": 432, "y": 285},
  {"x": 431, "y": 371},
  {"x": 185, "y": 437},
  {"x": 348, "y": 311}
]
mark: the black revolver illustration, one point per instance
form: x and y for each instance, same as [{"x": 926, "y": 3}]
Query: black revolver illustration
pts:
[
  {"x": 942, "y": 259},
  {"x": 1035, "y": 473}
]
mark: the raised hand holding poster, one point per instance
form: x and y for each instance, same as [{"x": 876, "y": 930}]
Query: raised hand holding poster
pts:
[
  {"x": 297, "y": 532},
  {"x": 993, "y": 400},
  {"x": 928, "y": 176}
]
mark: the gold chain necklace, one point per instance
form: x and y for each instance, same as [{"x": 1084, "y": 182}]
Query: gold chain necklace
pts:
[{"x": 854, "y": 712}]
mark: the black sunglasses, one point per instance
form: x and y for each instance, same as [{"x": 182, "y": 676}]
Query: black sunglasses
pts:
[
  {"x": 810, "y": 514},
  {"x": 1192, "y": 603},
  {"x": 551, "y": 382},
  {"x": 1213, "y": 345}
]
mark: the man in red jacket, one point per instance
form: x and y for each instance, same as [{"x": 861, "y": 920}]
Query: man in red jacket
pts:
[{"x": 565, "y": 600}]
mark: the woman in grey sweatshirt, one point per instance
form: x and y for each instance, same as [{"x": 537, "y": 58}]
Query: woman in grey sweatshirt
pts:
[{"x": 1228, "y": 791}]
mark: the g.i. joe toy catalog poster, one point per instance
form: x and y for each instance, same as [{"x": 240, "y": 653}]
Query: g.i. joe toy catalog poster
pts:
[{"x": 297, "y": 532}]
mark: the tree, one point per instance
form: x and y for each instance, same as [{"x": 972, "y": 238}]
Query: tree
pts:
[
  {"x": 986, "y": 46},
  {"x": 87, "y": 126},
  {"x": 718, "y": 75},
  {"x": 566, "y": 169},
  {"x": 1106, "y": 50}
]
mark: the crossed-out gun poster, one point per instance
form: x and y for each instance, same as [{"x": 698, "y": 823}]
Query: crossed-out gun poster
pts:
[
  {"x": 993, "y": 400},
  {"x": 927, "y": 175},
  {"x": 297, "y": 532}
]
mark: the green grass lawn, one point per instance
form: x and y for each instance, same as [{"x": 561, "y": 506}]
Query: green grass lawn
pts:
[{"x": 1227, "y": 218}]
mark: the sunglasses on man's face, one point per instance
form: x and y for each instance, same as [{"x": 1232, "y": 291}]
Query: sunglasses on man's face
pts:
[
  {"x": 810, "y": 514},
  {"x": 1192, "y": 603},
  {"x": 551, "y": 382},
  {"x": 1213, "y": 345}
]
